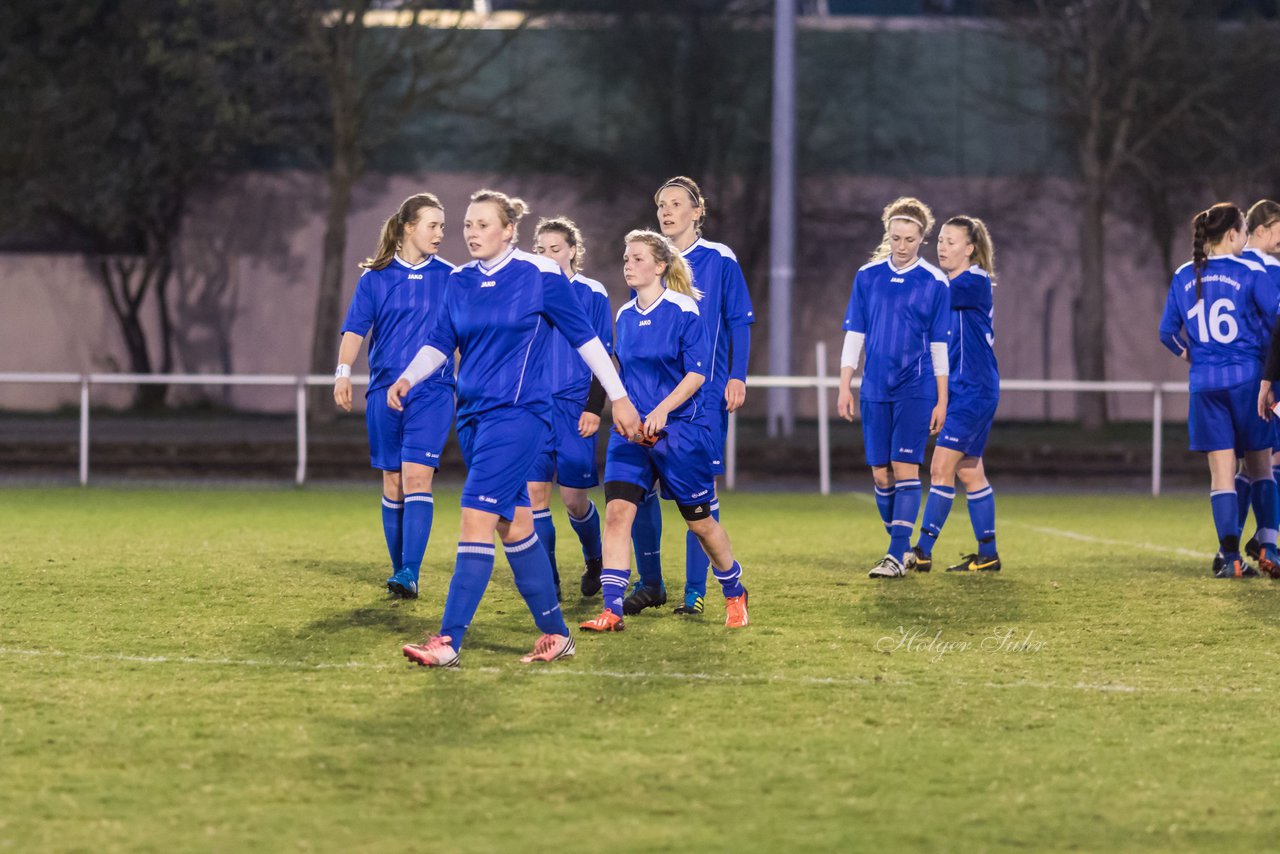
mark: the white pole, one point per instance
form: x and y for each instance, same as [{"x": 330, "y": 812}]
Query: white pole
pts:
[
  {"x": 731, "y": 453},
  {"x": 824, "y": 426},
  {"x": 301, "y": 477},
  {"x": 84, "y": 430},
  {"x": 1157, "y": 437},
  {"x": 781, "y": 415}
]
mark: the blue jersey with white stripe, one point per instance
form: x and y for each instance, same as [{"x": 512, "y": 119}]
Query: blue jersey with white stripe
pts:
[
  {"x": 500, "y": 318},
  {"x": 1228, "y": 328},
  {"x": 657, "y": 347},
  {"x": 901, "y": 312},
  {"x": 725, "y": 304},
  {"x": 395, "y": 307},
  {"x": 570, "y": 376},
  {"x": 974, "y": 372},
  {"x": 1272, "y": 268}
]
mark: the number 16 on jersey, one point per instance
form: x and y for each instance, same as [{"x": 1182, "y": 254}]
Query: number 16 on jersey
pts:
[{"x": 1221, "y": 324}]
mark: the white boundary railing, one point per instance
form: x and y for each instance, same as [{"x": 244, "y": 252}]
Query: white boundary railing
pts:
[{"x": 822, "y": 384}]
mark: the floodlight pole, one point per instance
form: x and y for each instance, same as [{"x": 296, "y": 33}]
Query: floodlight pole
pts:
[{"x": 781, "y": 415}]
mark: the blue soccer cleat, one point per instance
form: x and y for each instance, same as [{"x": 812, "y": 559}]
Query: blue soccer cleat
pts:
[{"x": 403, "y": 585}]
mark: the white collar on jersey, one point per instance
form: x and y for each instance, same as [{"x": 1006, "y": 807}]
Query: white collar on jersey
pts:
[
  {"x": 692, "y": 246},
  {"x": 497, "y": 265},
  {"x": 662, "y": 296},
  {"x": 893, "y": 269},
  {"x": 424, "y": 262}
]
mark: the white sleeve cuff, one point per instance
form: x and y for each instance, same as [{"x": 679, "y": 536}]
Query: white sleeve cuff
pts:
[
  {"x": 941, "y": 364},
  {"x": 427, "y": 362},
  {"x": 597, "y": 359},
  {"x": 852, "y": 350}
]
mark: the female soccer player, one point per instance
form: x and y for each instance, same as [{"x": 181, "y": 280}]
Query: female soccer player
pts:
[
  {"x": 967, "y": 257},
  {"x": 900, "y": 311},
  {"x": 498, "y": 312},
  {"x": 662, "y": 348},
  {"x": 727, "y": 316},
  {"x": 570, "y": 456},
  {"x": 1226, "y": 304},
  {"x": 396, "y": 300}
]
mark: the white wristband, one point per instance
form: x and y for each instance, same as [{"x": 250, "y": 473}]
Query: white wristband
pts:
[
  {"x": 941, "y": 364},
  {"x": 343, "y": 372},
  {"x": 852, "y": 349}
]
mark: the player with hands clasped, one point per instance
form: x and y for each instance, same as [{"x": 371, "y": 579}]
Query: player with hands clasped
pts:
[
  {"x": 498, "y": 313},
  {"x": 664, "y": 358},
  {"x": 395, "y": 302},
  {"x": 1225, "y": 305},
  {"x": 899, "y": 311}
]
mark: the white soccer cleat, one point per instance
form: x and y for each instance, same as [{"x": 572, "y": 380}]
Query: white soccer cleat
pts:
[
  {"x": 436, "y": 652},
  {"x": 550, "y": 648},
  {"x": 888, "y": 567}
]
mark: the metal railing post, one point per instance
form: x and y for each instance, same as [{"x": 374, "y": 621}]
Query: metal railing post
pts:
[
  {"x": 301, "y": 402},
  {"x": 84, "y": 430},
  {"x": 824, "y": 426},
  {"x": 731, "y": 453},
  {"x": 1157, "y": 437}
]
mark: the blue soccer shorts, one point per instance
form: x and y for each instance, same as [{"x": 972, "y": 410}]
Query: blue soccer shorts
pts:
[
  {"x": 1226, "y": 419},
  {"x": 968, "y": 424},
  {"x": 718, "y": 419},
  {"x": 568, "y": 459},
  {"x": 416, "y": 435},
  {"x": 681, "y": 461},
  {"x": 895, "y": 431},
  {"x": 499, "y": 447}
]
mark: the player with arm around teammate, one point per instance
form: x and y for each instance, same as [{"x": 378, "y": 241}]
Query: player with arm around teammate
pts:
[
  {"x": 394, "y": 304},
  {"x": 899, "y": 311},
  {"x": 727, "y": 316},
  {"x": 966, "y": 256},
  {"x": 1224, "y": 303},
  {"x": 578, "y": 399},
  {"x": 498, "y": 313},
  {"x": 662, "y": 350}
]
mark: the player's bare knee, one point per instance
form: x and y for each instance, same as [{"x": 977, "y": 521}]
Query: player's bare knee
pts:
[
  {"x": 882, "y": 477},
  {"x": 391, "y": 487}
]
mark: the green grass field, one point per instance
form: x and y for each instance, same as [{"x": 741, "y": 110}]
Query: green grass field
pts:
[{"x": 219, "y": 670}]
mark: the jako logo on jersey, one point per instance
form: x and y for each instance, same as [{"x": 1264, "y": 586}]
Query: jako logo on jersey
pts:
[
  {"x": 487, "y": 500},
  {"x": 700, "y": 494},
  {"x": 488, "y": 284},
  {"x": 645, "y": 323},
  {"x": 906, "y": 450},
  {"x": 897, "y": 279},
  {"x": 415, "y": 275}
]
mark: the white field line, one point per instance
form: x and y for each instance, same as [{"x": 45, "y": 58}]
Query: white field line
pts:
[
  {"x": 559, "y": 671},
  {"x": 1088, "y": 538}
]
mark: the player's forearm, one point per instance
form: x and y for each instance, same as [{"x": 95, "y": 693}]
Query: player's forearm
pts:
[
  {"x": 943, "y": 388},
  {"x": 597, "y": 359},
  {"x": 427, "y": 362},
  {"x": 682, "y": 392},
  {"x": 851, "y": 352},
  {"x": 846, "y": 376},
  {"x": 739, "y": 352},
  {"x": 349, "y": 349}
]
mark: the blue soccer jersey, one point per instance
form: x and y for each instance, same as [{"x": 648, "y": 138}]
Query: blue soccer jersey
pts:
[
  {"x": 1228, "y": 328},
  {"x": 901, "y": 312},
  {"x": 570, "y": 376},
  {"x": 1272, "y": 268},
  {"x": 500, "y": 317},
  {"x": 395, "y": 307},
  {"x": 657, "y": 347},
  {"x": 725, "y": 305},
  {"x": 974, "y": 372}
]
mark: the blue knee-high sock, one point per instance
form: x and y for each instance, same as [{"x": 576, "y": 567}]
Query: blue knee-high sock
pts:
[
  {"x": 696, "y": 562},
  {"x": 982, "y": 515},
  {"x": 419, "y": 508},
  {"x": 1226, "y": 521},
  {"x": 646, "y": 532},
  {"x": 613, "y": 586},
  {"x": 730, "y": 580},
  {"x": 392, "y": 530},
  {"x": 1243, "y": 492},
  {"x": 588, "y": 530},
  {"x": 532, "y": 571},
  {"x": 1266, "y": 509},
  {"x": 906, "y": 506},
  {"x": 936, "y": 508},
  {"x": 545, "y": 527},
  {"x": 471, "y": 573},
  {"x": 884, "y": 503}
]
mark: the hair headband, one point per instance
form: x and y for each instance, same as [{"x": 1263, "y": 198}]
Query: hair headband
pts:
[
  {"x": 691, "y": 193},
  {"x": 907, "y": 219}
]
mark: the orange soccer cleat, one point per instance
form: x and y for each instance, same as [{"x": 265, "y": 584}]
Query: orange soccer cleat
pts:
[
  {"x": 435, "y": 652},
  {"x": 606, "y": 622},
  {"x": 735, "y": 611},
  {"x": 550, "y": 648}
]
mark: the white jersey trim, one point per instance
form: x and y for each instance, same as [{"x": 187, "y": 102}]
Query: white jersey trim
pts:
[
  {"x": 590, "y": 283},
  {"x": 1263, "y": 258},
  {"x": 542, "y": 262},
  {"x": 712, "y": 245},
  {"x": 1252, "y": 265}
]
